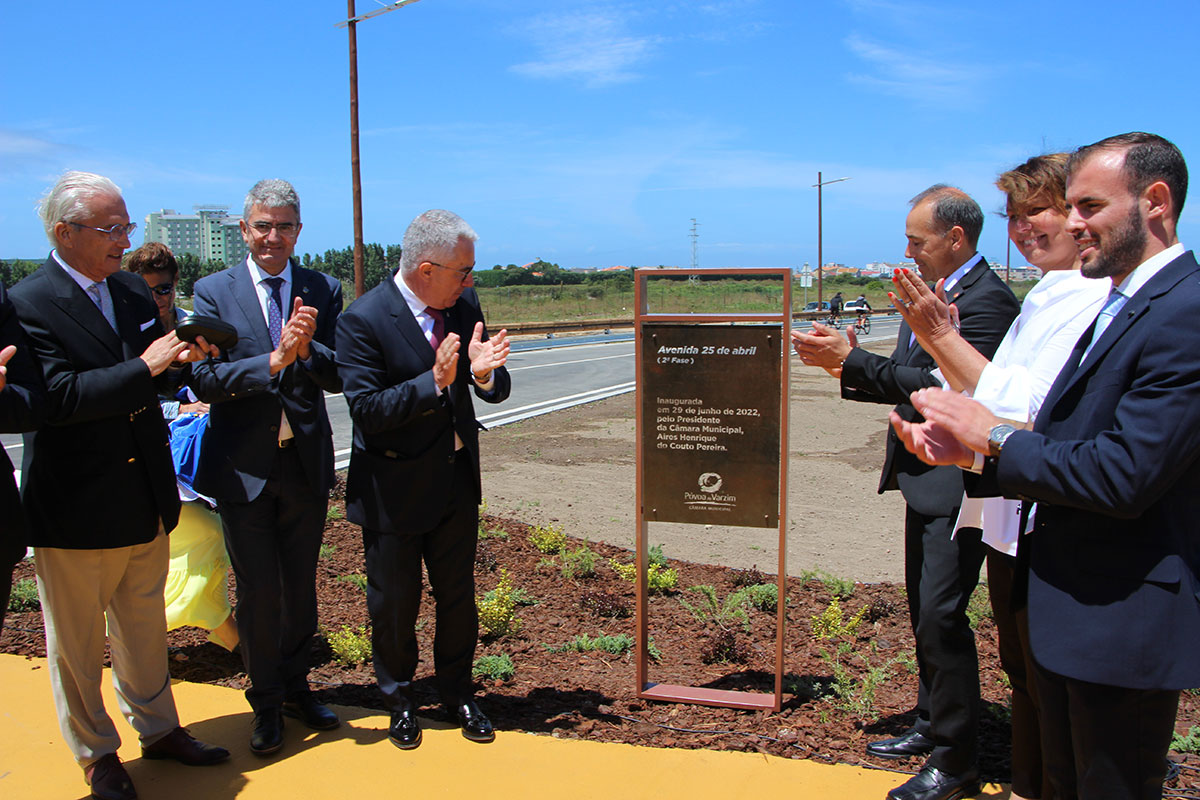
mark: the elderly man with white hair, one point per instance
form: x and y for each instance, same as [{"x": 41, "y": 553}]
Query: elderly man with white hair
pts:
[{"x": 99, "y": 485}]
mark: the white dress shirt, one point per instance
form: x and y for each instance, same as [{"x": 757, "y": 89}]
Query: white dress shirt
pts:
[{"x": 263, "y": 292}]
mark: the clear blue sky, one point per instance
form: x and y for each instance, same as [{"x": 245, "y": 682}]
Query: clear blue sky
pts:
[{"x": 585, "y": 133}]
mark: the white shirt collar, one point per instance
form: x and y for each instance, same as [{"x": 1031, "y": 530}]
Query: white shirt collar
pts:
[
  {"x": 258, "y": 274},
  {"x": 84, "y": 281},
  {"x": 415, "y": 304},
  {"x": 1148, "y": 269},
  {"x": 958, "y": 274}
]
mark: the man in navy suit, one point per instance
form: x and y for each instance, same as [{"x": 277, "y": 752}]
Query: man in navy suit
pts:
[
  {"x": 1113, "y": 463},
  {"x": 268, "y": 453},
  {"x": 411, "y": 352},
  {"x": 941, "y": 567},
  {"x": 22, "y": 408},
  {"x": 98, "y": 484}
]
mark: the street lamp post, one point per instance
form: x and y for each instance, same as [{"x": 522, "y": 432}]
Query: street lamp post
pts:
[
  {"x": 820, "y": 253},
  {"x": 350, "y": 23}
]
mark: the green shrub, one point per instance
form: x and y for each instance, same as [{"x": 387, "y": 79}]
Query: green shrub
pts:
[
  {"x": 579, "y": 563},
  {"x": 332, "y": 513},
  {"x": 496, "y": 609},
  {"x": 655, "y": 556},
  {"x": 327, "y": 550},
  {"x": 840, "y": 588},
  {"x": 1187, "y": 743},
  {"x": 355, "y": 579},
  {"x": 830, "y": 625},
  {"x": 350, "y": 646},
  {"x": 24, "y": 596},
  {"x": 496, "y": 668},
  {"x": 710, "y": 608},
  {"x": 548, "y": 539},
  {"x": 979, "y": 607},
  {"x": 618, "y": 644},
  {"x": 658, "y": 579},
  {"x": 763, "y": 596}
]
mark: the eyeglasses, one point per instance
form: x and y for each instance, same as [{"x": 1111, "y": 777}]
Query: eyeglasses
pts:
[
  {"x": 263, "y": 228},
  {"x": 116, "y": 233},
  {"x": 463, "y": 274},
  {"x": 163, "y": 289}
]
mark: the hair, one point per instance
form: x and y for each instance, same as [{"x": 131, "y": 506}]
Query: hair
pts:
[
  {"x": 271, "y": 193},
  {"x": 1043, "y": 176},
  {"x": 952, "y": 207},
  {"x": 433, "y": 231},
  {"x": 67, "y": 200},
  {"x": 151, "y": 257},
  {"x": 1148, "y": 158}
]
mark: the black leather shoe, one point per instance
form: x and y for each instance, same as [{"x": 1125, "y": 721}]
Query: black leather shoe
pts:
[
  {"x": 933, "y": 784},
  {"x": 181, "y": 746},
  {"x": 109, "y": 780},
  {"x": 267, "y": 736},
  {"x": 475, "y": 724},
  {"x": 911, "y": 743},
  {"x": 305, "y": 707},
  {"x": 405, "y": 731}
]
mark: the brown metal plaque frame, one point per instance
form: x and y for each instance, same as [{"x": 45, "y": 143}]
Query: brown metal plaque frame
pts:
[{"x": 697, "y": 694}]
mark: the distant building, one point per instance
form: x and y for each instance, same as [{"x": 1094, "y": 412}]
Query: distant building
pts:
[
  {"x": 210, "y": 234},
  {"x": 1026, "y": 273}
]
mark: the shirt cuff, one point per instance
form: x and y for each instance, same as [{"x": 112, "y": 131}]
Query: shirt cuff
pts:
[
  {"x": 977, "y": 465},
  {"x": 485, "y": 385}
]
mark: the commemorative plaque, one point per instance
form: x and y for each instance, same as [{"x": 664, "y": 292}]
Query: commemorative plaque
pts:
[{"x": 710, "y": 407}]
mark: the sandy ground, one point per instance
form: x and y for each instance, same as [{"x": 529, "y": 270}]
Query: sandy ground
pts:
[{"x": 576, "y": 468}]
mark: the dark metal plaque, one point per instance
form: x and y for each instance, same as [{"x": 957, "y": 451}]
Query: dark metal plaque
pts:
[{"x": 710, "y": 424}]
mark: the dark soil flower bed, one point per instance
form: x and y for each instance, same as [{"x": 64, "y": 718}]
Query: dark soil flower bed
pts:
[{"x": 592, "y": 695}]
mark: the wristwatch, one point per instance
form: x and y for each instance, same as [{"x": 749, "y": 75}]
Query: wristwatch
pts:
[{"x": 997, "y": 436}]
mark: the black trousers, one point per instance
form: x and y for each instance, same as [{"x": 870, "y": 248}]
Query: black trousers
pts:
[
  {"x": 1012, "y": 625},
  {"x": 394, "y": 596},
  {"x": 940, "y": 573},
  {"x": 273, "y": 543},
  {"x": 1103, "y": 742}
]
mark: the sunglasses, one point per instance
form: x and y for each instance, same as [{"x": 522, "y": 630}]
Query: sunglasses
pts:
[{"x": 163, "y": 289}]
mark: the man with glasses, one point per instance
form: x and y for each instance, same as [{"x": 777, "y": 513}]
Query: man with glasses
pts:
[
  {"x": 411, "y": 352},
  {"x": 268, "y": 453},
  {"x": 99, "y": 485}
]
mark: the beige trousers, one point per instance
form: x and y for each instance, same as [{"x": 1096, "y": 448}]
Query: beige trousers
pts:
[{"x": 78, "y": 590}]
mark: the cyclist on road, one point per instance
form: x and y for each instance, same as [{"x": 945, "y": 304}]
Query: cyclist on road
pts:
[{"x": 835, "y": 308}]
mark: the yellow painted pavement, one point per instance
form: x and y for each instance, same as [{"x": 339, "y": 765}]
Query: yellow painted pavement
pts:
[{"x": 356, "y": 761}]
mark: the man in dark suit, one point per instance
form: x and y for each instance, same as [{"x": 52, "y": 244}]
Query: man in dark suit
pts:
[
  {"x": 1113, "y": 463},
  {"x": 99, "y": 485},
  {"x": 413, "y": 483},
  {"x": 268, "y": 453},
  {"x": 22, "y": 408},
  {"x": 941, "y": 567}
]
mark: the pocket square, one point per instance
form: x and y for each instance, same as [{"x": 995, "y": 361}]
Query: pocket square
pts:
[{"x": 145, "y": 325}]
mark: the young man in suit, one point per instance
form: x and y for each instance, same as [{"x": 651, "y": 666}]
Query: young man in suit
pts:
[
  {"x": 99, "y": 484},
  {"x": 941, "y": 567},
  {"x": 268, "y": 453},
  {"x": 411, "y": 352},
  {"x": 1113, "y": 463}
]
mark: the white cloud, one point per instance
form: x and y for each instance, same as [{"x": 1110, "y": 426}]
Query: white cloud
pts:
[
  {"x": 907, "y": 74},
  {"x": 593, "y": 46}
]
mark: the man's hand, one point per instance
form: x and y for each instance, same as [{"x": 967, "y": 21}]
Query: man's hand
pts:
[
  {"x": 486, "y": 356},
  {"x": 198, "y": 407},
  {"x": 824, "y": 347},
  {"x": 5, "y": 355},
  {"x": 166, "y": 349},
  {"x": 965, "y": 419},
  {"x": 445, "y": 361},
  {"x": 929, "y": 315},
  {"x": 931, "y": 443},
  {"x": 300, "y": 328}
]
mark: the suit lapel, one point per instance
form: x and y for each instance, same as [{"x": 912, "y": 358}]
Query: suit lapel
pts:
[
  {"x": 407, "y": 326},
  {"x": 302, "y": 287},
  {"x": 127, "y": 322},
  {"x": 79, "y": 307},
  {"x": 245, "y": 294}
]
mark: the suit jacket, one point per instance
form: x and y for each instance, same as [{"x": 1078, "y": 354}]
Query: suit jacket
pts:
[
  {"x": 986, "y": 308},
  {"x": 22, "y": 408},
  {"x": 99, "y": 473},
  {"x": 240, "y": 444},
  {"x": 402, "y": 466},
  {"x": 1114, "y": 463}
]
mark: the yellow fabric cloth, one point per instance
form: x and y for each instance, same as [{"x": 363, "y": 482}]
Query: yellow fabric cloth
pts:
[{"x": 197, "y": 575}]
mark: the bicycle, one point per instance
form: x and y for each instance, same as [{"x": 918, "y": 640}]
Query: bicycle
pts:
[
  {"x": 862, "y": 325},
  {"x": 833, "y": 321}
]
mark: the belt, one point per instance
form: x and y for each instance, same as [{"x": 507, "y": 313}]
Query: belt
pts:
[{"x": 286, "y": 443}]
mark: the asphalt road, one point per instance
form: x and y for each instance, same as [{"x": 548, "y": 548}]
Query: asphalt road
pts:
[{"x": 547, "y": 375}]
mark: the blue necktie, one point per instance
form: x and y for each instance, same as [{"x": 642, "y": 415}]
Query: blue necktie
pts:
[
  {"x": 1111, "y": 306},
  {"x": 105, "y": 308},
  {"x": 274, "y": 310}
]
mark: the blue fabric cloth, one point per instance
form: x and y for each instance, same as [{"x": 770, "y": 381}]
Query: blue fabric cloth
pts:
[{"x": 187, "y": 434}]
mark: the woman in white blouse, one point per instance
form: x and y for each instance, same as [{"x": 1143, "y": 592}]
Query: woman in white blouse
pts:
[{"x": 1013, "y": 384}]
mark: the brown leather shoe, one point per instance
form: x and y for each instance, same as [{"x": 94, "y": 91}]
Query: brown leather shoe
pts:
[
  {"x": 109, "y": 780},
  {"x": 184, "y": 748}
]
